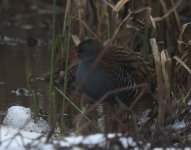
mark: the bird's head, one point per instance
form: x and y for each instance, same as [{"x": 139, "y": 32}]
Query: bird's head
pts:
[{"x": 88, "y": 50}]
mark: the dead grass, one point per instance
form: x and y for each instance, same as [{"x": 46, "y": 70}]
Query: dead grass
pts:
[{"x": 154, "y": 28}]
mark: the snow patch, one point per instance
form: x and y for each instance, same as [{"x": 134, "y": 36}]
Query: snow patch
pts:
[
  {"x": 20, "y": 118},
  {"x": 179, "y": 125}
]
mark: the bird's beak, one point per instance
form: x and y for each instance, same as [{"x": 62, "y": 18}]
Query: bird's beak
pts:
[{"x": 74, "y": 54}]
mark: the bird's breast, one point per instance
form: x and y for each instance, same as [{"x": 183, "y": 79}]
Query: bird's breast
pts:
[{"x": 94, "y": 81}]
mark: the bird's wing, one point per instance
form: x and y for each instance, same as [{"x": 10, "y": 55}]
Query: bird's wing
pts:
[{"x": 133, "y": 62}]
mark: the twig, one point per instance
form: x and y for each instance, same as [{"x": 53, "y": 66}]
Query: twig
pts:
[{"x": 76, "y": 107}]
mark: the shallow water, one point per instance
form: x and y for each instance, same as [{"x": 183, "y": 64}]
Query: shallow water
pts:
[{"x": 24, "y": 54}]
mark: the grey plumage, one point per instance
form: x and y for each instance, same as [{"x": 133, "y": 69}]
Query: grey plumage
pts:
[{"x": 115, "y": 69}]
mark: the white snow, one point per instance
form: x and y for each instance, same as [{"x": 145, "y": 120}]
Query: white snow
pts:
[
  {"x": 15, "y": 139},
  {"x": 179, "y": 125},
  {"x": 69, "y": 141},
  {"x": 127, "y": 142},
  {"x": 19, "y": 117},
  {"x": 94, "y": 139}
]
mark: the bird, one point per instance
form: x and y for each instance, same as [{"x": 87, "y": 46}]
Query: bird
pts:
[{"x": 102, "y": 69}]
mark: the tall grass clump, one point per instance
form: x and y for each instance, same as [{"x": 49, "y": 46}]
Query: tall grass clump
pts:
[{"x": 157, "y": 29}]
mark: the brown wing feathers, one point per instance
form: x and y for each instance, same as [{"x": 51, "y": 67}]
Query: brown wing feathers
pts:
[{"x": 134, "y": 62}]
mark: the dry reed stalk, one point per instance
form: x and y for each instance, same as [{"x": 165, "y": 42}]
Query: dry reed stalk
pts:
[
  {"x": 189, "y": 64},
  {"x": 160, "y": 88},
  {"x": 182, "y": 63},
  {"x": 147, "y": 31},
  {"x": 65, "y": 25},
  {"x": 76, "y": 39},
  {"x": 166, "y": 70},
  {"x": 119, "y": 5},
  {"x": 164, "y": 84},
  {"x": 180, "y": 38},
  {"x": 177, "y": 17},
  {"x": 167, "y": 12},
  {"x": 81, "y": 15}
]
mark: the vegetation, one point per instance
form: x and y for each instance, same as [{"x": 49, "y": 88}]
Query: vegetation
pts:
[
  {"x": 160, "y": 30},
  {"x": 157, "y": 29}
]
